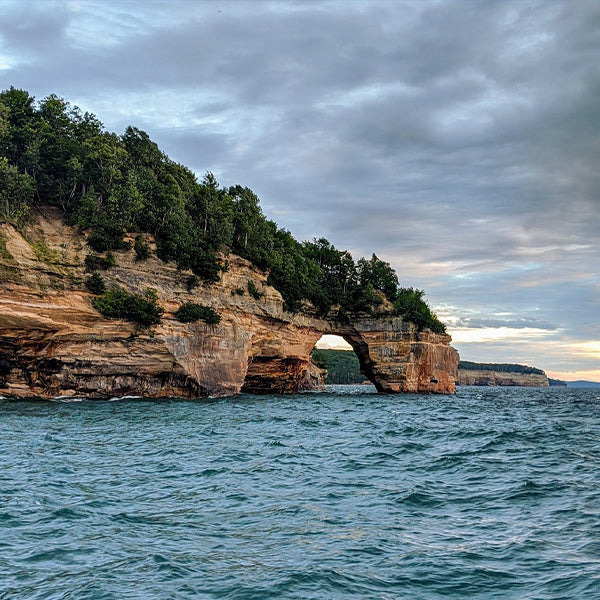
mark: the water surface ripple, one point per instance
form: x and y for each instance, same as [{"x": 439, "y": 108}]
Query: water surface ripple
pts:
[{"x": 492, "y": 493}]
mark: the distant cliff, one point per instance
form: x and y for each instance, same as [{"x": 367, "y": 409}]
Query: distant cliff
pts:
[{"x": 470, "y": 373}]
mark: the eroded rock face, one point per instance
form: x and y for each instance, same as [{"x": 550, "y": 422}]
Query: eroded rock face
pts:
[
  {"x": 485, "y": 377},
  {"x": 396, "y": 358},
  {"x": 54, "y": 343},
  {"x": 314, "y": 378}
]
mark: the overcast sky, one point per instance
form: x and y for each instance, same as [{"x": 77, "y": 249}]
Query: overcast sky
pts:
[{"x": 458, "y": 140}]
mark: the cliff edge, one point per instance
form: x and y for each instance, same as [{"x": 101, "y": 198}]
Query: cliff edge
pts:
[{"x": 53, "y": 342}]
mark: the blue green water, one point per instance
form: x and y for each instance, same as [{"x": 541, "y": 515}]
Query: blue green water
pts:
[{"x": 492, "y": 493}]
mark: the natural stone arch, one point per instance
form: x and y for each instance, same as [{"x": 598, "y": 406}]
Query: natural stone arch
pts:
[{"x": 392, "y": 355}]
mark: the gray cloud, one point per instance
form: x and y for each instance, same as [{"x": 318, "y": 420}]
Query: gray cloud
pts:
[{"x": 456, "y": 139}]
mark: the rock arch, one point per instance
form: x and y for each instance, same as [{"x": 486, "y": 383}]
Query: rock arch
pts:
[{"x": 392, "y": 355}]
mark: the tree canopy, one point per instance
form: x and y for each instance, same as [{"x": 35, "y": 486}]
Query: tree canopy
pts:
[
  {"x": 467, "y": 365},
  {"x": 109, "y": 184}
]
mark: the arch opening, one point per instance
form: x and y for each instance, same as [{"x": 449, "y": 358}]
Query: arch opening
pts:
[{"x": 338, "y": 360}]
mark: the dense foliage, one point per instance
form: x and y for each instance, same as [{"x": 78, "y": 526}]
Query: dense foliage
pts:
[
  {"x": 95, "y": 284},
  {"x": 108, "y": 184},
  {"x": 117, "y": 303},
  {"x": 95, "y": 262},
  {"x": 342, "y": 365},
  {"x": 412, "y": 306},
  {"x": 141, "y": 247},
  {"x": 191, "y": 312},
  {"x": 500, "y": 367}
]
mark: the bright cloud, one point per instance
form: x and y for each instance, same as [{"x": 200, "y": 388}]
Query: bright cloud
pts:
[{"x": 490, "y": 334}]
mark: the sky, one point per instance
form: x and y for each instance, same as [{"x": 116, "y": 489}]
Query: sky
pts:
[{"x": 456, "y": 139}]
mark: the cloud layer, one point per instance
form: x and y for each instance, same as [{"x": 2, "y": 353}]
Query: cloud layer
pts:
[{"x": 458, "y": 140}]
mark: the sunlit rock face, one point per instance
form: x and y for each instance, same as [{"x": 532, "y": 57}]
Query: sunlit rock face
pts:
[
  {"x": 396, "y": 358},
  {"x": 54, "y": 343}
]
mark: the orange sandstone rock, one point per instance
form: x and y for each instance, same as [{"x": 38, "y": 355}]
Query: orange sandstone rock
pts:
[{"x": 54, "y": 343}]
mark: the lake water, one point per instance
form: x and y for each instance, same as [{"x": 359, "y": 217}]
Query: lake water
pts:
[{"x": 492, "y": 493}]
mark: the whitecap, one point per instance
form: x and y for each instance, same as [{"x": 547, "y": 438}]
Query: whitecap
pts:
[
  {"x": 117, "y": 398},
  {"x": 67, "y": 399}
]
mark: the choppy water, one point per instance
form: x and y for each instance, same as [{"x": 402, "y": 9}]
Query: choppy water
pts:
[{"x": 492, "y": 493}]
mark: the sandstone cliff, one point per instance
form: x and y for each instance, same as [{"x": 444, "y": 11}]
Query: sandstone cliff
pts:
[
  {"x": 54, "y": 343},
  {"x": 485, "y": 377}
]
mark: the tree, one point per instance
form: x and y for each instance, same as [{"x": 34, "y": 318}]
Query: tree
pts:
[
  {"x": 411, "y": 305},
  {"x": 16, "y": 192},
  {"x": 380, "y": 275},
  {"x": 20, "y": 124},
  {"x": 3, "y": 124}
]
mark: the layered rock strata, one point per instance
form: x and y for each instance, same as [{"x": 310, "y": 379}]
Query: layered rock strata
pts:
[
  {"x": 54, "y": 343},
  {"x": 486, "y": 377}
]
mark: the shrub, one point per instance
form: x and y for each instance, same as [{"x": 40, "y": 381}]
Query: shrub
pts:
[
  {"x": 107, "y": 238},
  {"x": 238, "y": 291},
  {"x": 4, "y": 253},
  {"x": 190, "y": 312},
  {"x": 95, "y": 284},
  {"x": 118, "y": 303},
  {"x": 203, "y": 263},
  {"x": 141, "y": 247},
  {"x": 193, "y": 281},
  {"x": 95, "y": 262},
  {"x": 253, "y": 290},
  {"x": 43, "y": 253}
]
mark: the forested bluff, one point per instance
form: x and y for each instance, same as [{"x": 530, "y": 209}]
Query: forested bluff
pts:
[{"x": 123, "y": 209}]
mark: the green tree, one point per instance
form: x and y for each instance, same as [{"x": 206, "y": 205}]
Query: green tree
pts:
[
  {"x": 20, "y": 124},
  {"x": 59, "y": 170},
  {"x": 379, "y": 274},
  {"x": 16, "y": 192},
  {"x": 336, "y": 274},
  {"x": 3, "y": 124},
  {"x": 411, "y": 305}
]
